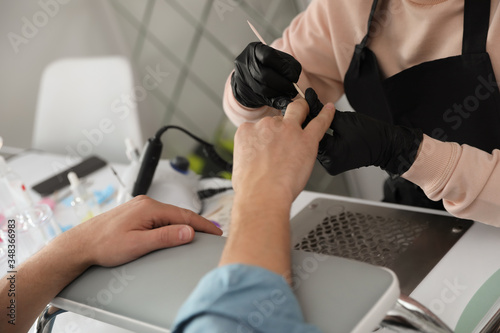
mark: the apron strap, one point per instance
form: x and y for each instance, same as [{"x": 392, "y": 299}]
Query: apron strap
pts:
[
  {"x": 370, "y": 19},
  {"x": 476, "y": 23}
]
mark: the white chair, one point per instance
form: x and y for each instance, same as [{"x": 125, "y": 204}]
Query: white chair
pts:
[{"x": 86, "y": 107}]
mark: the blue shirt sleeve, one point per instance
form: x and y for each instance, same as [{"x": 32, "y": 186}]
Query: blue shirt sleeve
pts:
[{"x": 241, "y": 298}]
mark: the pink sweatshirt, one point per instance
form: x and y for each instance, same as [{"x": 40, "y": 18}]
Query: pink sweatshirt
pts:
[{"x": 406, "y": 33}]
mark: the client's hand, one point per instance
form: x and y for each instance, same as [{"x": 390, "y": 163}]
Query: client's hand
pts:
[
  {"x": 276, "y": 155},
  {"x": 120, "y": 235},
  {"x": 272, "y": 162},
  {"x": 135, "y": 228}
]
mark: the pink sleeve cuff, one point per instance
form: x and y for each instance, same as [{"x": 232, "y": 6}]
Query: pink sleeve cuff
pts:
[
  {"x": 466, "y": 178},
  {"x": 434, "y": 165}
]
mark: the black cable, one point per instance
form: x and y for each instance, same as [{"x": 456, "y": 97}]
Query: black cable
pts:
[
  {"x": 162, "y": 130},
  {"x": 208, "y": 148},
  {"x": 210, "y": 192}
]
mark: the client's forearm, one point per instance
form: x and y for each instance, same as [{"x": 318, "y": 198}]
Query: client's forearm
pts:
[
  {"x": 23, "y": 295},
  {"x": 259, "y": 233}
]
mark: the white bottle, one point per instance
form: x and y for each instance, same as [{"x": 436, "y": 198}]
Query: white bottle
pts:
[
  {"x": 13, "y": 194},
  {"x": 130, "y": 174},
  {"x": 84, "y": 203}
]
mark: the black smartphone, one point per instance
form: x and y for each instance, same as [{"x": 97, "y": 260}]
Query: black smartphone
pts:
[{"x": 59, "y": 181}]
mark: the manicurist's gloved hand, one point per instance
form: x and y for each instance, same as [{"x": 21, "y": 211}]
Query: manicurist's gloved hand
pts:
[
  {"x": 264, "y": 76},
  {"x": 359, "y": 140}
]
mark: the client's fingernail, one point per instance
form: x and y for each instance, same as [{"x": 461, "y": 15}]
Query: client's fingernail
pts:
[
  {"x": 330, "y": 106},
  {"x": 184, "y": 233}
]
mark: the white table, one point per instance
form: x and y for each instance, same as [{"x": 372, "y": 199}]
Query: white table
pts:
[{"x": 446, "y": 290}]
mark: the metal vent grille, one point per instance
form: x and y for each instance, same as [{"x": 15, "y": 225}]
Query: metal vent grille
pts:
[
  {"x": 373, "y": 239},
  {"x": 410, "y": 243}
]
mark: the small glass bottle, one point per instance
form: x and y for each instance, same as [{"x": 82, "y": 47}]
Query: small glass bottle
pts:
[
  {"x": 34, "y": 223},
  {"x": 83, "y": 203}
]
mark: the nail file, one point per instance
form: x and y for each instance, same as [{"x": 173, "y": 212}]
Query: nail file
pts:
[{"x": 263, "y": 42}]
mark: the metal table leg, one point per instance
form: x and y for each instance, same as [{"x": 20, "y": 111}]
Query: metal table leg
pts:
[
  {"x": 408, "y": 315},
  {"x": 45, "y": 320}
]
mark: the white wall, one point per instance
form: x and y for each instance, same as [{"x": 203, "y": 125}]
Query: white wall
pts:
[
  {"x": 123, "y": 27},
  {"x": 195, "y": 41},
  {"x": 74, "y": 28}
]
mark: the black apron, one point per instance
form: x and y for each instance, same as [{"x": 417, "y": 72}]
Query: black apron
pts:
[{"x": 452, "y": 99}]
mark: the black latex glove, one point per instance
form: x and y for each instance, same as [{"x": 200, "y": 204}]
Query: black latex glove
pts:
[
  {"x": 264, "y": 76},
  {"x": 359, "y": 140}
]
